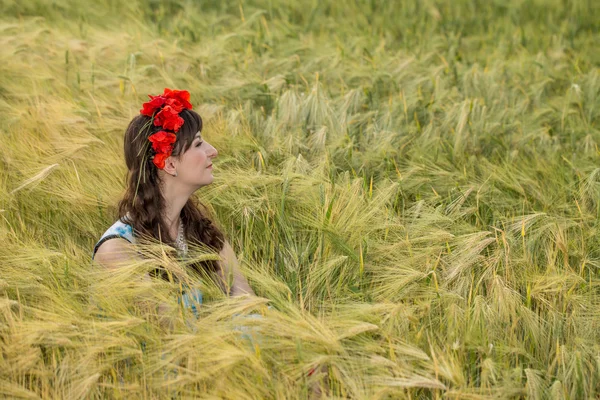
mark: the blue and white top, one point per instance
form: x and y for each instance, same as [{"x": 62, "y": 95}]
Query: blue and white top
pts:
[{"x": 120, "y": 229}]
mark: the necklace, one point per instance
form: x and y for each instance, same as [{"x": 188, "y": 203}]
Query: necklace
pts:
[{"x": 180, "y": 241}]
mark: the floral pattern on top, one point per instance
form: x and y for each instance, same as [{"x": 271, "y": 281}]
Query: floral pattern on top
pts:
[{"x": 124, "y": 230}]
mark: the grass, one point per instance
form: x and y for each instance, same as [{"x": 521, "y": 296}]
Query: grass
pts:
[{"x": 413, "y": 186}]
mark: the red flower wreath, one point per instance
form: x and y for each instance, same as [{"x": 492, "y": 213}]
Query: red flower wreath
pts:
[{"x": 168, "y": 105}]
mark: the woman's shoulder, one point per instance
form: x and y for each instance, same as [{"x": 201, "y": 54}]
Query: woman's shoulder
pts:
[{"x": 120, "y": 229}]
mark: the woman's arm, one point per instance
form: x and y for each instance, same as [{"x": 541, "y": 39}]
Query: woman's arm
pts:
[
  {"x": 115, "y": 252},
  {"x": 118, "y": 252},
  {"x": 230, "y": 272}
]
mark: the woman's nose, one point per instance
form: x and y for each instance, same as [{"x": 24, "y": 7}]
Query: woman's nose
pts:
[{"x": 213, "y": 152}]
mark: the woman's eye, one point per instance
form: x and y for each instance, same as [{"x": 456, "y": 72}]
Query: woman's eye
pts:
[{"x": 199, "y": 143}]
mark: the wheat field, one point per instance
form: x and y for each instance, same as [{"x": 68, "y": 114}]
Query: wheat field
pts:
[{"x": 412, "y": 186}]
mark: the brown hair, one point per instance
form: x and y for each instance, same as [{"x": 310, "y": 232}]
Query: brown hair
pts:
[{"x": 143, "y": 203}]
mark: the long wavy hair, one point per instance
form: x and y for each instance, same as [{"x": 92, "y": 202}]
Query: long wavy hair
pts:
[{"x": 143, "y": 204}]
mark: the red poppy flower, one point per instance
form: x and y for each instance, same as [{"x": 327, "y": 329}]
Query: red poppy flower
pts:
[
  {"x": 154, "y": 104},
  {"x": 177, "y": 99},
  {"x": 168, "y": 118},
  {"x": 159, "y": 160},
  {"x": 174, "y": 104},
  {"x": 183, "y": 96},
  {"x": 162, "y": 141},
  {"x": 162, "y": 144}
]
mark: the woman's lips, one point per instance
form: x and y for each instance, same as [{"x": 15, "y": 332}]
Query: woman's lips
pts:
[{"x": 210, "y": 166}]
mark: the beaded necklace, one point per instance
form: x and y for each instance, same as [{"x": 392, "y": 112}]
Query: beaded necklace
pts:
[{"x": 180, "y": 242}]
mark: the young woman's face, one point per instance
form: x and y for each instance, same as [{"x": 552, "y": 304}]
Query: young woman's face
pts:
[{"x": 195, "y": 165}]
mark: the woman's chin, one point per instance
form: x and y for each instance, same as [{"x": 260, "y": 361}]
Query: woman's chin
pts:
[{"x": 205, "y": 181}]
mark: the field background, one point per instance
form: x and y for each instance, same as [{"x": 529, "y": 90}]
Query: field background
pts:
[{"x": 412, "y": 185}]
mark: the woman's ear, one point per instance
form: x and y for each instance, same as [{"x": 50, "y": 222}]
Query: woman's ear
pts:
[{"x": 170, "y": 166}]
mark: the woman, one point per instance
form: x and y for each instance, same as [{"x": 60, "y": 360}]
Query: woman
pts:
[{"x": 168, "y": 160}]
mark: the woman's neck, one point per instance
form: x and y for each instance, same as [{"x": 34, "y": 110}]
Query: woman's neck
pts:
[{"x": 175, "y": 198}]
